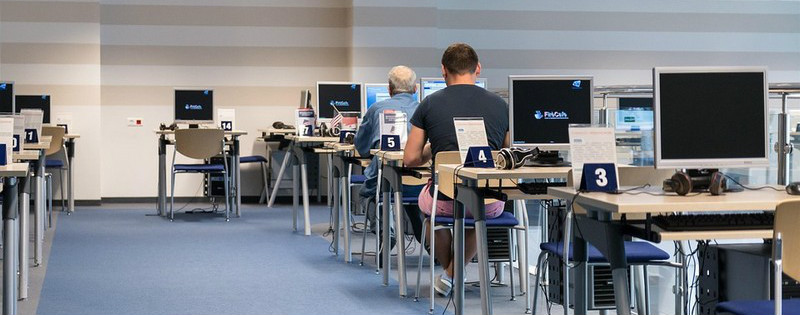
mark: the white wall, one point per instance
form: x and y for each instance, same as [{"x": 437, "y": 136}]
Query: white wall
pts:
[{"x": 106, "y": 60}]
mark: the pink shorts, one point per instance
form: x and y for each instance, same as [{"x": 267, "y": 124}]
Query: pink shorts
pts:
[{"x": 445, "y": 207}]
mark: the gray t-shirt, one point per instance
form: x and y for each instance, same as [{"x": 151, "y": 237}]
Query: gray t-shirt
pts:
[{"x": 436, "y": 112}]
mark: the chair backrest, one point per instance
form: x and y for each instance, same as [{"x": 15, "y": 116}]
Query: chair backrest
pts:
[
  {"x": 787, "y": 218},
  {"x": 199, "y": 143},
  {"x": 446, "y": 184},
  {"x": 57, "y": 141}
]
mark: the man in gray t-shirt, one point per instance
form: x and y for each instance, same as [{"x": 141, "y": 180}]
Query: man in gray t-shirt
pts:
[{"x": 433, "y": 121}]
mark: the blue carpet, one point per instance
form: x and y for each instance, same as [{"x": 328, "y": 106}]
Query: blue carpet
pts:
[{"x": 122, "y": 262}]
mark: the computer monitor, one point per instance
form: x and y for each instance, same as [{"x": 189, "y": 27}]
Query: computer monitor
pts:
[
  {"x": 6, "y": 97},
  {"x": 430, "y": 85},
  {"x": 635, "y": 114},
  {"x": 194, "y": 106},
  {"x": 376, "y": 92},
  {"x": 34, "y": 102},
  {"x": 541, "y": 108},
  {"x": 345, "y": 96},
  {"x": 710, "y": 117}
]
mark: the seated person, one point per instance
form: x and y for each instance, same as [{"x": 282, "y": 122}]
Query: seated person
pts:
[
  {"x": 402, "y": 86},
  {"x": 433, "y": 121}
]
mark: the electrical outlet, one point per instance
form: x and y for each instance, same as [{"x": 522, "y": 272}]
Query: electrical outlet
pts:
[{"x": 135, "y": 122}]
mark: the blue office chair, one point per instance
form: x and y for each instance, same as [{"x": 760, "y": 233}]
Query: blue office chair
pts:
[
  {"x": 263, "y": 162},
  {"x": 200, "y": 144},
  {"x": 785, "y": 258},
  {"x": 505, "y": 221}
]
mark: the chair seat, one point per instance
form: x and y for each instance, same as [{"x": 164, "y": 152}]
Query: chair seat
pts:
[
  {"x": 252, "y": 159},
  {"x": 202, "y": 168},
  {"x": 636, "y": 252},
  {"x": 505, "y": 219},
  {"x": 358, "y": 179},
  {"x": 765, "y": 307},
  {"x": 53, "y": 163}
]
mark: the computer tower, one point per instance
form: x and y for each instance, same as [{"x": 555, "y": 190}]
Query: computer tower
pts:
[
  {"x": 600, "y": 295},
  {"x": 215, "y": 183},
  {"x": 731, "y": 272}
]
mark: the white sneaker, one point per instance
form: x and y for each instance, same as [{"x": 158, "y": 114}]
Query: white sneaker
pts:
[{"x": 443, "y": 285}]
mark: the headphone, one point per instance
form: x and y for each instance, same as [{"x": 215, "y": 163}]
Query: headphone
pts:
[
  {"x": 281, "y": 125},
  {"x": 350, "y": 138},
  {"x": 681, "y": 183},
  {"x": 171, "y": 126},
  {"x": 513, "y": 158},
  {"x": 325, "y": 131}
]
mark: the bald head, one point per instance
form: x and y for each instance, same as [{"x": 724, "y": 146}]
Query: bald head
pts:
[{"x": 402, "y": 80}]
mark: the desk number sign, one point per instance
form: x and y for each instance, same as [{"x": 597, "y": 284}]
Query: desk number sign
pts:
[
  {"x": 31, "y": 136},
  {"x": 480, "y": 156},
  {"x": 600, "y": 177},
  {"x": 305, "y": 121},
  {"x": 390, "y": 143},
  {"x": 226, "y": 125},
  {"x": 15, "y": 143}
]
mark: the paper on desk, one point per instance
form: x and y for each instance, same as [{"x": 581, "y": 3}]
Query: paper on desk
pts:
[
  {"x": 226, "y": 114},
  {"x": 19, "y": 129},
  {"x": 394, "y": 123},
  {"x": 470, "y": 132},
  {"x": 33, "y": 119},
  {"x": 63, "y": 119},
  {"x": 7, "y": 135},
  {"x": 590, "y": 145}
]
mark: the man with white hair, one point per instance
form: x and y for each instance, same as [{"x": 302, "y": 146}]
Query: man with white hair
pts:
[{"x": 402, "y": 87}]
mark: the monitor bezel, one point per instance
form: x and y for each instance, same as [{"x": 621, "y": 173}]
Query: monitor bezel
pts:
[
  {"x": 189, "y": 121},
  {"x": 361, "y": 98},
  {"x": 420, "y": 87},
  {"x": 661, "y": 163},
  {"x": 47, "y": 113},
  {"x": 13, "y": 95},
  {"x": 544, "y": 146}
]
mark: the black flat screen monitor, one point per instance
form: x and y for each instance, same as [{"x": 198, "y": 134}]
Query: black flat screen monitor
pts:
[
  {"x": 6, "y": 97},
  {"x": 345, "y": 96},
  {"x": 34, "y": 102},
  {"x": 710, "y": 117},
  {"x": 194, "y": 106},
  {"x": 542, "y": 108}
]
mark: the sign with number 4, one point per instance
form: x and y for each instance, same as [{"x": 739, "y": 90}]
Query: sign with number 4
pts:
[
  {"x": 479, "y": 157},
  {"x": 600, "y": 177}
]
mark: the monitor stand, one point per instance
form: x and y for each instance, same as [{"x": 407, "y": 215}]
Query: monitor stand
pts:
[
  {"x": 547, "y": 158},
  {"x": 194, "y": 126}
]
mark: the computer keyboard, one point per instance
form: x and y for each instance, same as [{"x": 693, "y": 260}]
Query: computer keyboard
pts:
[
  {"x": 715, "y": 222},
  {"x": 538, "y": 188}
]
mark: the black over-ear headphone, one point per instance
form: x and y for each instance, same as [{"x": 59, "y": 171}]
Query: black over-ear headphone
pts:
[
  {"x": 281, "y": 125},
  {"x": 681, "y": 183},
  {"x": 512, "y": 158}
]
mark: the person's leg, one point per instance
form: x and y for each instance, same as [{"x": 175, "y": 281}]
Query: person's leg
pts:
[
  {"x": 444, "y": 247},
  {"x": 470, "y": 249},
  {"x": 414, "y": 216}
]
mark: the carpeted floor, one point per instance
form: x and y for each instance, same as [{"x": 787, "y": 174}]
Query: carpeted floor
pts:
[{"x": 120, "y": 261}]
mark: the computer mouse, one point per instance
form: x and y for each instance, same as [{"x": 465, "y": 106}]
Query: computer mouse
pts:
[{"x": 793, "y": 188}]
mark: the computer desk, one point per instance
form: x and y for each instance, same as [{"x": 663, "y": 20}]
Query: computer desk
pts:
[
  {"x": 39, "y": 202},
  {"x": 11, "y": 174},
  {"x": 269, "y": 135},
  {"x": 470, "y": 196},
  {"x": 390, "y": 180},
  {"x": 599, "y": 228},
  {"x": 296, "y": 152},
  {"x": 70, "y": 145},
  {"x": 233, "y": 144},
  {"x": 345, "y": 155}
]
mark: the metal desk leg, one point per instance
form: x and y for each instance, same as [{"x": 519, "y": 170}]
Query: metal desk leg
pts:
[
  {"x": 10, "y": 212},
  {"x": 401, "y": 240},
  {"x": 580, "y": 257},
  {"x": 295, "y": 191},
  {"x": 24, "y": 249},
  {"x": 237, "y": 172},
  {"x": 162, "y": 177},
  {"x": 329, "y": 158},
  {"x": 336, "y": 206},
  {"x": 38, "y": 212},
  {"x": 607, "y": 237},
  {"x": 70, "y": 144},
  {"x": 386, "y": 244},
  {"x": 306, "y": 211},
  {"x": 458, "y": 259},
  {"x": 284, "y": 163},
  {"x": 348, "y": 255}
]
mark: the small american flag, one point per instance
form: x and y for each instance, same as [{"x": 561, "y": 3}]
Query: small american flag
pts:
[{"x": 337, "y": 119}]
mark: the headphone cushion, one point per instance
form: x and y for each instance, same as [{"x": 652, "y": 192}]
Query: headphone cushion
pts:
[{"x": 682, "y": 183}]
